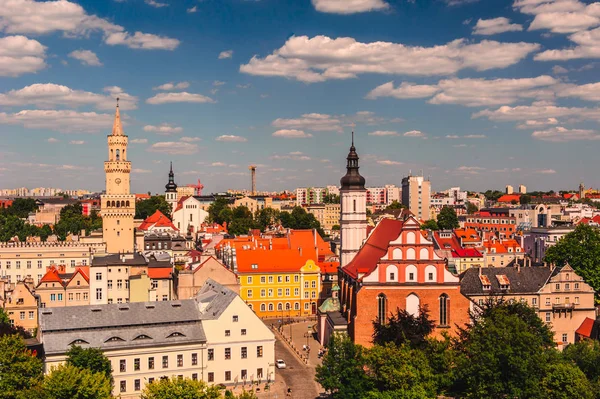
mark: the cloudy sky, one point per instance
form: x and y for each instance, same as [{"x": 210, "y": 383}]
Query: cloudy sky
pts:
[{"x": 474, "y": 93}]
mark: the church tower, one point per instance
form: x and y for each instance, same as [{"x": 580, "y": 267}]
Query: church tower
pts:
[
  {"x": 353, "y": 219},
  {"x": 171, "y": 190},
  {"x": 118, "y": 204}
]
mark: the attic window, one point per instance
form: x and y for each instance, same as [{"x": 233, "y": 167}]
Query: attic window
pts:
[
  {"x": 115, "y": 339},
  {"x": 503, "y": 281},
  {"x": 142, "y": 336},
  {"x": 176, "y": 334},
  {"x": 485, "y": 282},
  {"x": 79, "y": 342},
  {"x": 255, "y": 266}
]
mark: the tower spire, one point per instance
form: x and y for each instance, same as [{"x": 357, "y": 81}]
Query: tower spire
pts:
[
  {"x": 352, "y": 179},
  {"x": 171, "y": 187},
  {"x": 117, "y": 127}
]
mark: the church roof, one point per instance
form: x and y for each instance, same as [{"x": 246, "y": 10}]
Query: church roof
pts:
[{"x": 157, "y": 219}]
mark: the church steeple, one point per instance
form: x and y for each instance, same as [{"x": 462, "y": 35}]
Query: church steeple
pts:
[
  {"x": 171, "y": 186},
  {"x": 117, "y": 129},
  {"x": 352, "y": 180}
]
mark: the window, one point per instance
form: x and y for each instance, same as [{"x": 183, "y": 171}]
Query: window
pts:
[
  {"x": 263, "y": 307},
  {"x": 557, "y": 300},
  {"x": 194, "y": 376},
  {"x": 547, "y": 301},
  {"x": 29, "y": 264},
  {"x": 211, "y": 354},
  {"x": 296, "y": 278},
  {"x": 70, "y": 296},
  {"x": 52, "y": 297},
  {"x": 306, "y": 306},
  {"x": 211, "y": 377},
  {"x": 249, "y": 279},
  {"x": 270, "y": 279},
  {"x": 39, "y": 264},
  {"x": 119, "y": 284},
  {"x": 244, "y": 352},
  {"x": 136, "y": 364},
  {"x": 136, "y": 385},
  {"x": 249, "y": 293},
  {"x": 109, "y": 284},
  {"x": 296, "y": 306},
  {"x": 287, "y": 280},
  {"x": 279, "y": 292},
  {"x": 279, "y": 279},
  {"x": 558, "y": 287},
  {"x": 296, "y": 291},
  {"x": 381, "y": 308},
  {"x": 127, "y": 284},
  {"x": 151, "y": 363},
  {"x": 306, "y": 294},
  {"x": 259, "y": 351},
  {"x": 263, "y": 279},
  {"x": 547, "y": 317},
  {"x": 576, "y": 300},
  {"x": 306, "y": 284},
  {"x": 60, "y": 297},
  {"x": 565, "y": 338},
  {"x": 576, "y": 286},
  {"x": 98, "y": 276},
  {"x": 244, "y": 375},
  {"x": 194, "y": 359},
  {"x": 123, "y": 365},
  {"x": 165, "y": 362},
  {"x": 259, "y": 373},
  {"x": 179, "y": 360},
  {"x": 85, "y": 296},
  {"x": 227, "y": 333},
  {"x": 228, "y": 376},
  {"x": 443, "y": 310},
  {"x": 227, "y": 353},
  {"x": 98, "y": 294},
  {"x": 235, "y": 319},
  {"x": 22, "y": 315},
  {"x": 270, "y": 291},
  {"x": 18, "y": 264},
  {"x": 534, "y": 301},
  {"x": 243, "y": 332},
  {"x": 279, "y": 306},
  {"x": 392, "y": 276},
  {"x": 123, "y": 386},
  {"x": 287, "y": 292},
  {"x": 263, "y": 293},
  {"x": 31, "y": 314}
]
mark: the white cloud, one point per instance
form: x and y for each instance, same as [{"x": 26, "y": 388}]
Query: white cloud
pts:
[
  {"x": 588, "y": 92},
  {"x": 77, "y": 142},
  {"x": 294, "y": 156},
  {"x": 494, "y": 26},
  {"x": 384, "y": 133},
  {"x": 545, "y": 171},
  {"x": 66, "y": 121},
  {"x": 349, "y": 6},
  {"x": 231, "y": 138},
  {"x": 19, "y": 55},
  {"x": 156, "y": 4},
  {"x": 291, "y": 134},
  {"x": 533, "y": 124},
  {"x": 49, "y": 95},
  {"x": 140, "y": 171},
  {"x": 174, "y": 148},
  {"x": 587, "y": 45},
  {"x": 163, "y": 129},
  {"x": 52, "y": 140},
  {"x": 387, "y": 162},
  {"x": 172, "y": 86},
  {"x": 246, "y": 86},
  {"x": 471, "y": 92},
  {"x": 225, "y": 54},
  {"x": 540, "y": 110},
  {"x": 192, "y": 10},
  {"x": 560, "y": 16},
  {"x": 557, "y": 70},
  {"x": 414, "y": 133},
  {"x": 190, "y": 139},
  {"x": 560, "y": 134},
  {"x": 314, "y": 122},
  {"x": 139, "y": 141},
  {"x": 218, "y": 83},
  {"x": 179, "y": 97},
  {"x": 459, "y": 145},
  {"x": 322, "y": 58},
  {"x": 86, "y": 57},
  {"x": 469, "y": 170},
  {"x": 218, "y": 164},
  {"x": 467, "y": 136},
  {"x": 45, "y": 17}
]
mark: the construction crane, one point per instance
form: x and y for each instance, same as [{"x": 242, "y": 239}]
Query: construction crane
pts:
[
  {"x": 198, "y": 187},
  {"x": 252, "y": 169}
]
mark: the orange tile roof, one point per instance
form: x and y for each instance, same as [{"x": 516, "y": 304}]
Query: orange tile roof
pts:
[
  {"x": 157, "y": 219},
  {"x": 51, "y": 276},
  {"x": 467, "y": 234},
  {"x": 159, "y": 272},
  {"x": 509, "y": 198},
  {"x": 271, "y": 261},
  {"x": 139, "y": 197}
]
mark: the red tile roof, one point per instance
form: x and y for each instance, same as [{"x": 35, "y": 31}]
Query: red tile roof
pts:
[
  {"x": 51, "y": 276},
  {"x": 585, "y": 329},
  {"x": 180, "y": 203},
  {"x": 159, "y": 272},
  {"x": 157, "y": 219},
  {"x": 466, "y": 253},
  {"x": 507, "y": 198}
]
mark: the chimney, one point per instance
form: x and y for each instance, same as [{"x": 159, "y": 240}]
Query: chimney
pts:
[
  {"x": 300, "y": 250},
  {"x": 519, "y": 265},
  {"x": 479, "y": 268}
]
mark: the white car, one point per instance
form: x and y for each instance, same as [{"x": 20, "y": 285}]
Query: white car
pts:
[{"x": 280, "y": 364}]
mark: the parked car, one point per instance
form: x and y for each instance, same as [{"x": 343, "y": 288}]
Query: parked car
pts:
[{"x": 280, "y": 364}]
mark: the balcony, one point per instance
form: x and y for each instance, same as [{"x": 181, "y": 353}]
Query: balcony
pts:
[{"x": 563, "y": 306}]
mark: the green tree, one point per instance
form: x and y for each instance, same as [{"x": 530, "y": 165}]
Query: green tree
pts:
[
  {"x": 335, "y": 227},
  {"x": 92, "y": 359},
  {"x": 403, "y": 328},
  {"x": 300, "y": 219},
  {"x": 447, "y": 219},
  {"x": 430, "y": 225},
  {"x": 471, "y": 208},
  {"x": 401, "y": 368},
  {"x": 21, "y": 207},
  {"x": 586, "y": 355},
  {"x": 70, "y": 382},
  {"x": 331, "y": 199},
  {"x": 503, "y": 353},
  {"x": 147, "y": 207},
  {"x": 266, "y": 218},
  {"x": 525, "y": 199},
  {"x": 8, "y": 329},
  {"x": 214, "y": 210},
  {"x": 20, "y": 370},
  {"x": 176, "y": 388},
  {"x": 581, "y": 250},
  {"x": 565, "y": 381},
  {"x": 395, "y": 205},
  {"x": 493, "y": 195},
  {"x": 342, "y": 371}
]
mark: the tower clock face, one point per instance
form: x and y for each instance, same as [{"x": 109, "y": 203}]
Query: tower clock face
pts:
[{"x": 118, "y": 181}]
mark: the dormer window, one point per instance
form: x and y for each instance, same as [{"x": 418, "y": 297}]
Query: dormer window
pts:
[
  {"x": 176, "y": 334},
  {"x": 503, "y": 282},
  {"x": 115, "y": 339},
  {"x": 485, "y": 283},
  {"x": 79, "y": 342}
]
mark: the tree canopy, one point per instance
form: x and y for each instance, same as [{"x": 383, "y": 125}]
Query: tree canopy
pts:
[
  {"x": 176, "y": 388},
  {"x": 70, "y": 382},
  {"x": 430, "y": 225},
  {"x": 447, "y": 219},
  {"x": 395, "y": 205},
  {"x": 20, "y": 370},
  {"x": 402, "y": 327},
  {"x": 72, "y": 221},
  {"x": 147, "y": 207},
  {"x": 21, "y": 208},
  {"x": 92, "y": 359},
  {"x": 581, "y": 250}
]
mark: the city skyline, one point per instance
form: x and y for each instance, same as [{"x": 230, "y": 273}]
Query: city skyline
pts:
[{"x": 215, "y": 86}]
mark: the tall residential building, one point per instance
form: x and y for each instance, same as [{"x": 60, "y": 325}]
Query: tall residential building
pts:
[
  {"x": 509, "y": 190},
  {"x": 118, "y": 204},
  {"x": 353, "y": 217},
  {"x": 416, "y": 194},
  {"x": 522, "y": 189},
  {"x": 171, "y": 190}
]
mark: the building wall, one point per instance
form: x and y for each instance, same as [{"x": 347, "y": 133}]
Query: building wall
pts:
[
  {"x": 192, "y": 213},
  {"x": 190, "y": 282},
  {"x": 22, "y": 307},
  {"x": 353, "y": 223},
  {"x": 416, "y": 194}
]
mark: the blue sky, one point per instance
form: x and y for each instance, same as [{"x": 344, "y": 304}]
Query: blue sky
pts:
[{"x": 474, "y": 93}]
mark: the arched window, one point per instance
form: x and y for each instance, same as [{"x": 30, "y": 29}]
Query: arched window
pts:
[
  {"x": 381, "y": 308},
  {"x": 297, "y": 306},
  {"x": 430, "y": 273},
  {"x": 444, "y": 319},
  {"x": 412, "y": 304},
  {"x": 288, "y": 306},
  {"x": 270, "y": 307},
  {"x": 111, "y": 154},
  {"x": 410, "y": 237},
  {"x": 279, "y": 306},
  {"x": 127, "y": 204},
  {"x": 410, "y": 253},
  {"x": 113, "y": 204},
  {"x": 410, "y": 275},
  {"x": 123, "y": 204},
  {"x": 263, "y": 307},
  {"x": 118, "y": 204},
  {"x": 397, "y": 253},
  {"x": 118, "y": 152},
  {"x": 424, "y": 253},
  {"x": 391, "y": 273}
]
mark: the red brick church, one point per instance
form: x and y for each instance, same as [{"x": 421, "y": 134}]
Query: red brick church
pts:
[{"x": 398, "y": 268}]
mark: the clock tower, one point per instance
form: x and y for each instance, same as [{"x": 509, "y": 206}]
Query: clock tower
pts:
[{"x": 118, "y": 205}]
